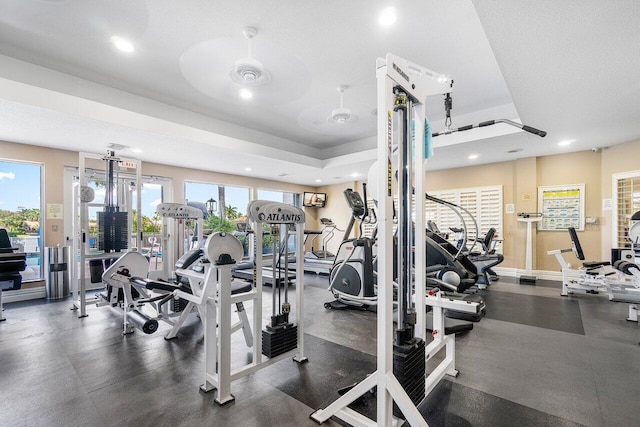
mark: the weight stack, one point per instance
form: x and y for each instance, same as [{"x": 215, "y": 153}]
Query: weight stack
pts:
[
  {"x": 410, "y": 370},
  {"x": 279, "y": 340},
  {"x": 177, "y": 305}
]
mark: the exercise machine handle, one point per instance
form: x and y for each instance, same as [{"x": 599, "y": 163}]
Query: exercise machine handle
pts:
[{"x": 525, "y": 128}]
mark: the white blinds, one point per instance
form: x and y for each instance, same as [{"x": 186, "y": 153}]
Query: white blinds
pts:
[
  {"x": 627, "y": 203},
  {"x": 484, "y": 203}
]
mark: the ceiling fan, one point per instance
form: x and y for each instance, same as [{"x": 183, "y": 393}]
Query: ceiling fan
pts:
[
  {"x": 213, "y": 68},
  {"x": 342, "y": 115},
  {"x": 249, "y": 71}
]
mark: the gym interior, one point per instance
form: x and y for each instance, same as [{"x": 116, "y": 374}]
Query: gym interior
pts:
[{"x": 209, "y": 213}]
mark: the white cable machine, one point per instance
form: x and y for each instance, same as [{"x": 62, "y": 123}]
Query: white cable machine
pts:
[
  {"x": 402, "y": 85},
  {"x": 284, "y": 339},
  {"x": 118, "y": 201}
]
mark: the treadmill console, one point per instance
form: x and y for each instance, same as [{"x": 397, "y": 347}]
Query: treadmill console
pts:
[{"x": 355, "y": 202}]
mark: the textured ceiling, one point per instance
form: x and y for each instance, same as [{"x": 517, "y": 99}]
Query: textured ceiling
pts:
[{"x": 566, "y": 67}]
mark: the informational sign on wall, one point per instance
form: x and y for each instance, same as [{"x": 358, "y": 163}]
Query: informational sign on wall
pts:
[
  {"x": 54, "y": 210},
  {"x": 562, "y": 207}
]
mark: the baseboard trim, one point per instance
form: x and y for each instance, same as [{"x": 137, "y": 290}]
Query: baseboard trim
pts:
[{"x": 24, "y": 294}]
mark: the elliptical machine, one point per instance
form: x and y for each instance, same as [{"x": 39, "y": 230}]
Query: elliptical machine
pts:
[{"x": 352, "y": 278}]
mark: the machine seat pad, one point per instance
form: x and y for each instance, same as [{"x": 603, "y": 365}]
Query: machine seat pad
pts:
[
  {"x": 626, "y": 266},
  {"x": 595, "y": 264},
  {"x": 239, "y": 287}
]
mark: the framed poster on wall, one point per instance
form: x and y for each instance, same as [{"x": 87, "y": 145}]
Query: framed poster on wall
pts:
[{"x": 562, "y": 206}]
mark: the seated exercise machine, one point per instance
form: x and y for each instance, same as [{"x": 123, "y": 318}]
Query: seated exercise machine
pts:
[
  {"x": 129, "y": 288},
  {"x": 485, "y": 259},
  {"x": 620, "y": 281},
  {"x": 402, "y": 355},
  {"x": 281, "y": 338},
  {"x": 11, "y": 264}
]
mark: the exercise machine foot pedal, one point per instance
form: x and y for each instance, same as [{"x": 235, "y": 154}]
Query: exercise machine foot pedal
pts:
[
  {"x": 410, "y": 369},
  {"x": 279, "y": 339}
]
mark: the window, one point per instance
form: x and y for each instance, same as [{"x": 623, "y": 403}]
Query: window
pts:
[
  {"x": 280, "y": 196},
  {"x": 483, "y": 203},
  {"x": 154, "y": 191},
  {"x": 626, "y": 193},
  {"x": 283, "y": 197},
  {"x": 234, "y": 200},
  {"x": 21, "y": 213}
]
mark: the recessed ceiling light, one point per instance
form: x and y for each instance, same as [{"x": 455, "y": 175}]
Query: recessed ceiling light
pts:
[
  {"x": 318, "y": 180},
  {"x": 355, "y": 174},
  {"x": 473, "y": 156},
  {"x": 245, "y": 93},
  {"x": 565, "y": 142},
  {"x": 123, "y": 45},
  {"x": 136, "y": 150},
  {"x": 387, "y": 16},
  {"x": 247, "y": 169},
  {"x": 515, "y": 150}
]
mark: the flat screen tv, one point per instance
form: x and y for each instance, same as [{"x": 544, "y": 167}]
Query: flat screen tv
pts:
[{"x": 314, "y": 200}]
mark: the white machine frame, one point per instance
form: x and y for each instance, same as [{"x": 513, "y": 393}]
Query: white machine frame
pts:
[
  {"x": 529, "y": 276},
  {"x": 418, "y": 82},
  {"x": 617, "y": 285},
  {"x": 218, "y": 372},
  {"x": 180, "y": 213},
  {"x": 80, "y": 248},
  {"x": 136, "y": 266}
]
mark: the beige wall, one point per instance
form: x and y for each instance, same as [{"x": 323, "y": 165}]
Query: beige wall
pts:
[
  {"x": 616, "y": 159},
  {"x": 55, "y": 160},
  {"x": 336, "y": 208},
  {"x": 574, "y": 168},
  {"x": 481, "y": 176},
  {"x": 520, "y": 180}
]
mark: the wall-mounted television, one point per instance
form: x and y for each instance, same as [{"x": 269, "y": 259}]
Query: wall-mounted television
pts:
[{"x": 314, "y": 200}]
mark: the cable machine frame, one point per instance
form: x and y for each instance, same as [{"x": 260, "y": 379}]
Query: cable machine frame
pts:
[
  {"x": 80, "y": 247},
  {"x": 417, "y": 83}
]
